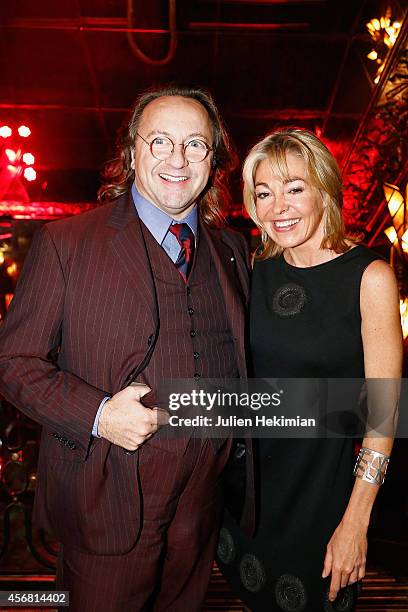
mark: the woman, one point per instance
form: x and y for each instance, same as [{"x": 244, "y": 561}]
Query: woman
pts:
[{"x": 322, "y": 306}]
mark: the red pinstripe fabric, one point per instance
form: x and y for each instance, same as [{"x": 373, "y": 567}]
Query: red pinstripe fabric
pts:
[
  {"x": 207, "y": 317},
  {"x": 182, "y": 501}
]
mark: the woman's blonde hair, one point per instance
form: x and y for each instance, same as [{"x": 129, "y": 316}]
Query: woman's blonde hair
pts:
[{"x": 322, "y": 172}]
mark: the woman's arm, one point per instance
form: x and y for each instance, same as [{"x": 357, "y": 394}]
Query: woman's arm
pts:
[{"x": 383, "y": 352}]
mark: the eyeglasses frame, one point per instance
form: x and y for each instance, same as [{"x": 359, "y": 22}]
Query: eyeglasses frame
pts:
[{"x": 150, "y": 144}]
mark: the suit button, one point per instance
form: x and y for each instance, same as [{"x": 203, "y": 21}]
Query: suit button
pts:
[
  {"x": 193, "y": 333},
  {"x": 197, "y": 375},
  {"x": 196, "y": 355},
  {"x": 190, "y": 311},
  {"x": 150, "y": 340},
  {"x": 188, "y": 290}
]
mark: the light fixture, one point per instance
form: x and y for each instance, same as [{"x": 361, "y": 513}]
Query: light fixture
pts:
[
  {"x": 404, "y": 317},
  {"x": 15, "y": 161},
  {"x": 397, "y": 234},
  {"x": 384, "y": 34},
  {"x": 396, "y": 204},
  {"x": 12, "y": 169},
  {"x": 12, "y": 270},
  {"x": 5, "y": 131},
  {"x": 391, "y": 235},
  {"x": 404, "y": 241},
  {"x": 30, "y": 174},
  {"x": 28, "y": 159},
  {"x": 7, "y": 298},
  {"x": 24, "y": 131},
  {"x": 398, "y": 208},
  {"x": 11, "y": 155}
]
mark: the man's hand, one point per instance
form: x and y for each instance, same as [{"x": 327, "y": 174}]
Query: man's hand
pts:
[
  {"x": 126, "y": 422},
  {"x": 345, "y": 557}
]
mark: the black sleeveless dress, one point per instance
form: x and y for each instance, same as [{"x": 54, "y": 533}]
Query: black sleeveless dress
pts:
[{"x": 304, "y": 322}]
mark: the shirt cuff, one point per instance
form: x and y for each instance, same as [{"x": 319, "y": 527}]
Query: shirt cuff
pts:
[{"x": 98, "y": 414}]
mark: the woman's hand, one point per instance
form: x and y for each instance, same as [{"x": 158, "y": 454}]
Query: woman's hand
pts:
[{"x": 345, "y": 557}]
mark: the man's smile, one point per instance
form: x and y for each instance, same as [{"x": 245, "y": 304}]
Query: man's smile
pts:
[{"x": 172, "y": 179}]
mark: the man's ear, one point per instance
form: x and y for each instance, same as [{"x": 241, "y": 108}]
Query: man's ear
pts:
[{"x": 132, "y": 157}]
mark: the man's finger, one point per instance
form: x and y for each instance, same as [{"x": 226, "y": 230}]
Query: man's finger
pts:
[
  {"x": 136, "y": 442},
  {"x": 162, "y": 416},
  {"x": 140, "y": 388},
  {"x": 150, "y": 419}
]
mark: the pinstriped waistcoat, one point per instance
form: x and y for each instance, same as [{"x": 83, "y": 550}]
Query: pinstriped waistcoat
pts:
[{"x": 195, "y": 338}]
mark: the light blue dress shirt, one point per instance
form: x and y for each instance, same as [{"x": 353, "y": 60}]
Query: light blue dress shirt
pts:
[{"x": 158, "y": 223}]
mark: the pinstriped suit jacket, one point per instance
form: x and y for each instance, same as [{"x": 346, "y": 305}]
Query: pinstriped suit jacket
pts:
[{"x": 83, "y": 324}]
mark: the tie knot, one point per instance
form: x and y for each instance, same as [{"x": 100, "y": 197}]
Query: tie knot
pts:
[
  {"x": 185, "y": 238},
  {"x": 183, "y": 233}
]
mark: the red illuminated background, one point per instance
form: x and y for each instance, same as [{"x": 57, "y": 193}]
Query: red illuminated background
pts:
[{"x": 70, "y": 70}]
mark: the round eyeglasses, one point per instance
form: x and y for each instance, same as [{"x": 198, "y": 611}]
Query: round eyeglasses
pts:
[{"x": 161, "y": 147}]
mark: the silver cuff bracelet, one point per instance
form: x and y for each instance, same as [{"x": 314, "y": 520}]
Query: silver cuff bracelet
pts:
[{"x": 371, "y": 466}]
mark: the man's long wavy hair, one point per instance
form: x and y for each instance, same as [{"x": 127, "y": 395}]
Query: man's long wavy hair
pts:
[{"x": 118, "y": 175}]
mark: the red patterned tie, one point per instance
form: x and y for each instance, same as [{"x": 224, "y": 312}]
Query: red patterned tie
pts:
[{"x": 186, "y": 240}]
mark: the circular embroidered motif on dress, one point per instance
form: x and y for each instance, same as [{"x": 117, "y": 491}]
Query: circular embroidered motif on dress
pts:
[
  {"x": 289, "y": 300},
  {"x": 252, "y": 573},
  {"x": 290, "y": 593},
  {"x": 226, "y": 547}
]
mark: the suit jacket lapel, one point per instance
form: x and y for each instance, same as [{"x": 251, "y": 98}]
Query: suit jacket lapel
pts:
[
  {"x": 228, "y": 265},
  {"x": 129, "y": 249}
]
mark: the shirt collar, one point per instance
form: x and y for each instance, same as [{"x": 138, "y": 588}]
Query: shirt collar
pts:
[{"x": 156, "y": 220}]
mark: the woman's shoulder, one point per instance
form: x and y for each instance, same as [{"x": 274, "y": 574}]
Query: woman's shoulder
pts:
[
  {"x": 378, "y": 276},
  {"x": 379, "y": 295}
]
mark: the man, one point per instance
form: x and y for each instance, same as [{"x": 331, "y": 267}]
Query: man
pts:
[{"x": 109, "y": 303}]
